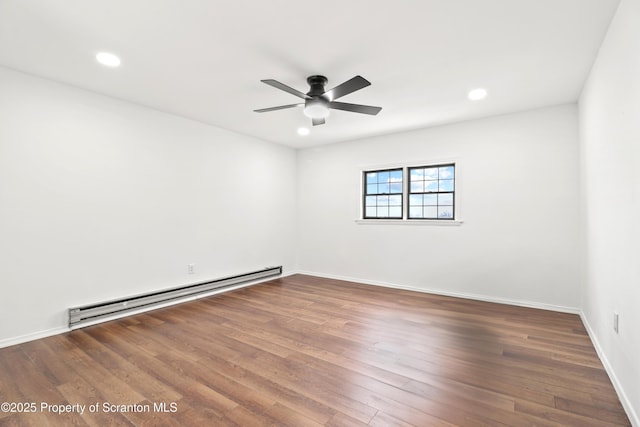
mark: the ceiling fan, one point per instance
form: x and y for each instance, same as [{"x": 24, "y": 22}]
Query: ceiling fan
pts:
[{"x": 317, "y": 102}]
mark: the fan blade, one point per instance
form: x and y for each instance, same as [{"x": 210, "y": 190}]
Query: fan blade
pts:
[
  {"x": 285, "y": 88},
  {"x": 355, "y": 108},
  {"x": 282, "y": 107},
  {"x": 317, "y": 122},
  {"x": 352, "y": 85}
]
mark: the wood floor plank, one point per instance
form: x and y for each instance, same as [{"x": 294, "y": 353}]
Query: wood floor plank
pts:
[
  {"x": 80, "y": 390},
  {"x": 309, "y": 351},
  {"x": 256, "y": 380}
]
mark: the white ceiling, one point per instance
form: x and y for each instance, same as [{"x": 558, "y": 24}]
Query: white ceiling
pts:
[{"x": 204, "y": 59}]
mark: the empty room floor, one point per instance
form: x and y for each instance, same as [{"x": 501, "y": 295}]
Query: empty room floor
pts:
[{"x": 307, "y": 351}]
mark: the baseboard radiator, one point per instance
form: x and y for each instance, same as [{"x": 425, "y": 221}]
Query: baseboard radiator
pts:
[{"x": 94, "y": 313}]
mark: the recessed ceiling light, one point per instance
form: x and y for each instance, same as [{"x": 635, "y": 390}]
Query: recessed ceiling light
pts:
[
  {"x": 303, "y": 131},
  {"x": 477, "y": 94},
  {"x": 108, "y": 59}
]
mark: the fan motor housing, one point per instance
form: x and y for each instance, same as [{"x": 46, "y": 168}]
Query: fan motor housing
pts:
[{"x": 316, "y": 85}]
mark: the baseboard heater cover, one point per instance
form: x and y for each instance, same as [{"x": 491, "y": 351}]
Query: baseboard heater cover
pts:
[{"x": 91, "y": 314}]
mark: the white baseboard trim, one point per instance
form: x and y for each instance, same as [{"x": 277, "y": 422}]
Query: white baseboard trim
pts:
[
  {"x": 8, "y": 342},
  {"x": 477, "y": 297},
  {"x": 624, "y": 399}
]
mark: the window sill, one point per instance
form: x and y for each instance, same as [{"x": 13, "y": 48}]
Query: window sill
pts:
[{"x": 436, "y": 222}]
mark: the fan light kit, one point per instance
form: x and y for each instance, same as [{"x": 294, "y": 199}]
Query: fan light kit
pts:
[
  {"x": 317, "y": 101},
  {"x": 316, "y": 109}
]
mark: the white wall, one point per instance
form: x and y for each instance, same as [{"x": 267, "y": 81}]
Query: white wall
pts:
[
  {"x": 517, "y": 185},
  {"x": 610, "y": 159},
  {"x": 101, "y": 199}
]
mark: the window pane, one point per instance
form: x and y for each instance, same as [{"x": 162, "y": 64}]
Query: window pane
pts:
[
  {"x": 446, "y": 172},
  {"x": 372, "y": 178},
  {"x": 370, "y": 200},
  {"x": 395, "y": 211},
  {"x": 372, "y": 188},
  {"x": 383, "y": 200},
  {"x": 431, "y": 173},
  {"x": 417, "y": 187},
  {"x": 430, "y": 212},
  {"x": 383, "y": 177},
  {"x": 445, "y": 211},
  {"x": 395, "y": 200},
  {"x": 445, "y": 199},
  {"x": 383, "y": 188},
  {"x": 430, "y": 186},
  {"x": 415, "y": 211},
  {"x": 431, "y": 199},
  {"x": 371, "y": 211},
  {"x": 395, "y": 187},
  {"x": 415, "y": 200},
  {"x": 395, "y": 176},
  {"x": 417, "y": 174},
  {"x": 383, "y": 211},
  {"x": 446, "y": 185}
]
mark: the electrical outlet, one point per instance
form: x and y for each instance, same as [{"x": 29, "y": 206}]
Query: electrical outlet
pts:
[
  {"x": 191, "y": 269},
  {"x": 616, "y": 319}
]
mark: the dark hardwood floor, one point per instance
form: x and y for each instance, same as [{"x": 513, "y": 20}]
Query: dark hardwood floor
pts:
[{"x": 306, "y": 351}]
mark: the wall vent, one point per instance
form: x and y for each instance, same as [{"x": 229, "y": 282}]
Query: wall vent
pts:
[{"x": 95, "y": 313}]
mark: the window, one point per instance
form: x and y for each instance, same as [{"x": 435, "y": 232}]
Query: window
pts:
[
  {"x": 383, "y": 191},
  {"x": 428, "y": 194},
  {"x": 431, "y": 192}
]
